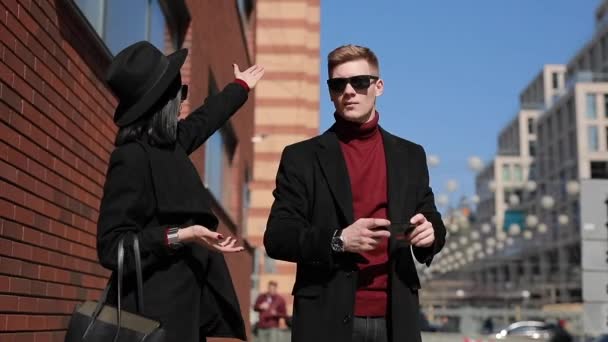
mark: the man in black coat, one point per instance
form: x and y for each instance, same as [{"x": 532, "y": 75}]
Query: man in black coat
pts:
[{"x": 350, "y": 207}]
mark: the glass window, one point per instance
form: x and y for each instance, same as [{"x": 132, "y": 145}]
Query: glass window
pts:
[
  {"x": 599, "y": 169},
  {"x": 245, "y": 9},
  {"x": 606, "y": 137},
  {"x": 532, "y": 148},
  {"x": 156, "y": 26},
  {"x": 555, "y": 80},
  {"x": 572, "y": 143},
  {"x": 214, "y": 153},
  {"x": 606, "y": 104},
  {"x": 592, "y": 138},
  {"x": 591, "y": 110},
  {"x": 517, "y": 173},
  {"x": 125, "y": 23},
  {"x": 563, "y": 180},
  {"x": 571, "y": 113},
  {"x": 506, "y": 172},
  {"x": 120, "y": 23},
  {"x": 93, "y": 10},
  {"x": 219, "y": 152},
  {"x": 245, "y": 200},
  {"x": 575, "y": 212},
  {"x": 531, "y": 125}
]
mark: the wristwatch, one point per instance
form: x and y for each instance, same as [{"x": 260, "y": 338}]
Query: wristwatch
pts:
[
  {"x": 337, "y": 241},
  {"x": 173, "y": 238}
]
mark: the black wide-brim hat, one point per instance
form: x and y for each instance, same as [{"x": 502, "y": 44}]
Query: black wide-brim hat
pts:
[{"x": 139, "y": 75}]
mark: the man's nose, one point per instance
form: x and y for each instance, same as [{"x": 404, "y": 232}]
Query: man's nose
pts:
[{"x": 349, "y": 89}]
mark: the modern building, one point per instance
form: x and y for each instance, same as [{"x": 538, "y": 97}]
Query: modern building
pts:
[{"x": 552, "y": 157}]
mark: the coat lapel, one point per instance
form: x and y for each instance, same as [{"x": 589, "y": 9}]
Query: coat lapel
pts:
[
  {"x": 334, "y": 169},
  {"x": 398, "y": 174}
]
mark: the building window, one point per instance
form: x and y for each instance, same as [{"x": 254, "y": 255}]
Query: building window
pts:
[
  {"x": 591, "y": 110},
  {"x": 605, "y": 45},
  {"x": 120, "y": 23},
  {"x": 219, "y": 152},
  {"x": 245, "y": 9},
  {"x": 571, "y": 113},
  {"x": 245, "y": 200},
  {"x": 214, "y": 155},
  {"x": 575, "y": 213},
  {"x": 599, "y": 169},
  {"x": 517, "y": 173},
  {"x": 592, "y": 138},
  {"x": 533, "y": 171},
  {"x": 606, "y": 103},
  {"x": 532, "y": 148},
  {"x": 555, "y": 80},
  {"x": 562, "y": 188},
  {"x": 531, "y": 125},
  {"x": 93, "y": 10},
  {"x": 551, "y": 159},
  {"x": 572, "y": 143},
  {"x": 506, "y": 172},
  {"x": 606, "y": 136}
]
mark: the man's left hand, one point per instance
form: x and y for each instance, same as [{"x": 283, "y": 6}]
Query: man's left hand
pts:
[{"x": 424, "y": 234}]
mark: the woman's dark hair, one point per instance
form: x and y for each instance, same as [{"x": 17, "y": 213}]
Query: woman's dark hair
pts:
[{"x": 159, "y": 127}]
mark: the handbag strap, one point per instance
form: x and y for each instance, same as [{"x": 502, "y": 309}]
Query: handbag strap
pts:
[
  {"x": 121, "y": 264},
  {"x": 138, "y": 272},
  {"x": 119, "y": 279}
]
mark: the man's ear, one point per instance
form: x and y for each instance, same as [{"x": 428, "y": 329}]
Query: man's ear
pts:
[{"x": 379, "y": 87}]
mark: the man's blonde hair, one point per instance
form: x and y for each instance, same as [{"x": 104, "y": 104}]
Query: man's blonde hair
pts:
[{"x": 348, "y": 53}]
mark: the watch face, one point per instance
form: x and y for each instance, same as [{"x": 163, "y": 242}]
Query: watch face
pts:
[{"x": 337, "y": 244}]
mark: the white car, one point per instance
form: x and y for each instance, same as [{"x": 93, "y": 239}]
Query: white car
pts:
[{"x": 535, "y": 330}]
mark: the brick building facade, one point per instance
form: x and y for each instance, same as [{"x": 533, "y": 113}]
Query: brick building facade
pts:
[{"x": 56, "y": 137}]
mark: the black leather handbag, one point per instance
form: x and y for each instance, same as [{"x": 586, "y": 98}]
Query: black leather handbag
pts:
[{"x": 96, "y": 322}]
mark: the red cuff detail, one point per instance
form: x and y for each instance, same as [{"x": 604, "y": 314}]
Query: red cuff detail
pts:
[
  {"x": 242, "y": 83},
  {"x": 167, "y": 236}
]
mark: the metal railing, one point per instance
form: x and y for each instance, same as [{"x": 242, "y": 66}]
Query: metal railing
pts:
[{"x": 586, "y": 77}]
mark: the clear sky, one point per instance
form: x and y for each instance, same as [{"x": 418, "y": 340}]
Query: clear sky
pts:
[{"x": 453, "y": 70}]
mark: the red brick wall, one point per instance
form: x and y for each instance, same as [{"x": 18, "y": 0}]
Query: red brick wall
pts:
[{"x": 56, "y": 134}]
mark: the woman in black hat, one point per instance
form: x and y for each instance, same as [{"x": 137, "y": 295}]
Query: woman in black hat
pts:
[{"x": 153, "y": 190}]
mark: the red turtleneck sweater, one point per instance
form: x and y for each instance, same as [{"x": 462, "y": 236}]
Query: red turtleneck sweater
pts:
[{"x": 363, "y": 151}]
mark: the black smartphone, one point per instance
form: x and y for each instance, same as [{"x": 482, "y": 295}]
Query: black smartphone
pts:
[{"x": 401, "y": 230}]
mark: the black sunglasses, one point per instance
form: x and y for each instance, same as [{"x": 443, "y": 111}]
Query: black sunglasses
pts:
[
  {"x": 184, "y": 92},
  {"x": 359, "y": 82}
]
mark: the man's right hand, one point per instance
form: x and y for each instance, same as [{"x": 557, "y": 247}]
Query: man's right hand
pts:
[{"x": 364, "y": 235}]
